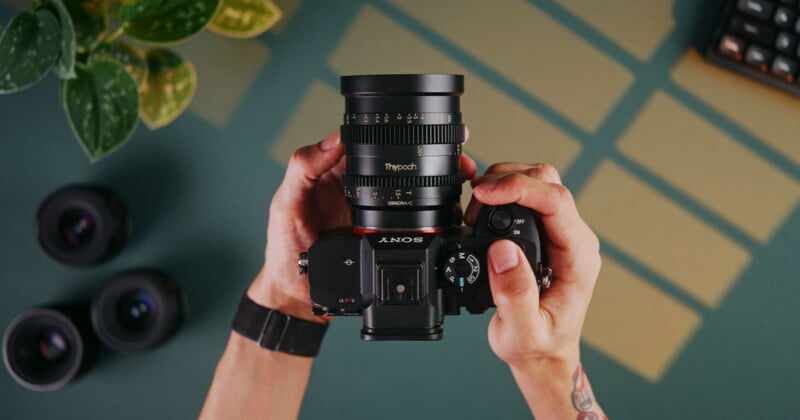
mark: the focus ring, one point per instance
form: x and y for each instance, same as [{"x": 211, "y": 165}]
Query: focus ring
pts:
[
  {"x": 403, "y": 134},
  {"x": 402, "y": 181}
]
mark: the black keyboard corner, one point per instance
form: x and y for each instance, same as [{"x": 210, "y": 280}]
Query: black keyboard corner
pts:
[{"x": 760, "y": 39}]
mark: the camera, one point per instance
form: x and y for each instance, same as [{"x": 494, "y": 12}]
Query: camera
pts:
[{"x": 407, "y": 261}]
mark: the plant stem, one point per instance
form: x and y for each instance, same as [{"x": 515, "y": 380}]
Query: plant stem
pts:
[{"x": 109, "y": 39}]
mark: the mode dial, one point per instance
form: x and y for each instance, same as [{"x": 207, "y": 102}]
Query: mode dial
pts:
[{"x": 462, "y": 268}]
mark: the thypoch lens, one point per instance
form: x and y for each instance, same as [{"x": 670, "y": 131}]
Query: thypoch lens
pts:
[
  {"x": 403, "y": 136},
  {"x": 46, "y": 348}
]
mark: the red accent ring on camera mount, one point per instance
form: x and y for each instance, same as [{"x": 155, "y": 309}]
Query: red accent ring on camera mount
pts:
[{"x": 364, "y": 231}]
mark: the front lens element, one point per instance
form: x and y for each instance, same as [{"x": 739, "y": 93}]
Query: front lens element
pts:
[
  {"x": 403, "y": 137},
  {"x": 77, "y": 227},
  {"x": 135, "y": 309},
  {"x": 53, "y": 346}
]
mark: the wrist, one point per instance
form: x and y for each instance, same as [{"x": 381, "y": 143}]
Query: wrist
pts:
[
  {"x": 267, "y": 292},
  {"x": 547, "y": 385}
]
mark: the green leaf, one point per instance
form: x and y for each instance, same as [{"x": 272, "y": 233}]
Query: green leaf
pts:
[
  {"x": 101, "y": 105},
  {"x": 65, "y": 65},
  {"x": 245, "y": 18},
  {"x": 171, "y": 82},
  {"x": 90, "y": 20},
  {"x": 28, "y": 49},
  {"x": 163, "y": 21},
  {"x": 130, "y": 58}
]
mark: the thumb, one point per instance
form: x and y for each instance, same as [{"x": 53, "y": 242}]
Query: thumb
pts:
[{"x": 514, "y": 288}]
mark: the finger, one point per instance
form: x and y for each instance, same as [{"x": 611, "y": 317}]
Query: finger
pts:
[
  {"x": 514, "y": 288},
  {"x": 553, "y": 201},
  {"x": 468, "y": 167},
  {"x": 472, "y": 211},
  {"x": 543, "y": 171},
  {"x": 308, "y": 164},
  {"x": 339, "y": 168}
]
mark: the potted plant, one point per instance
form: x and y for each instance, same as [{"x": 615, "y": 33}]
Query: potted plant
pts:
[{"x": 108, "y": 83}]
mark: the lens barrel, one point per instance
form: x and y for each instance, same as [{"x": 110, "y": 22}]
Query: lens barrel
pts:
[
  {"x": 403, "y": 136},
  {"x": 45, "y": 348}
]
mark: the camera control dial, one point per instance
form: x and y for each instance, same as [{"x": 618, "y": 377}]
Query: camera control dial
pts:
[
  {"x": 462, "y": 268},
  {"x": 500, "y": 221}
]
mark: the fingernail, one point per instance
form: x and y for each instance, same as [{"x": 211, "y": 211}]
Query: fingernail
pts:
[
  {"x": 330, "y": 142},
  {"x": 487, "y": 186},
  {"x": 503, "y": 256}
]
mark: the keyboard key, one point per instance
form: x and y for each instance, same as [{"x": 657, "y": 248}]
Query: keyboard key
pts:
[
  {"x": 785, "y": 68},
  {"x": 785, "y": 42},
  {"x": 756, "y": 8},
  {"x": 784, "y": 17},
  {"x": 758, "y": 57},
  {"x": 732, "y": 47},
  {"x": 763, "y": 34}
]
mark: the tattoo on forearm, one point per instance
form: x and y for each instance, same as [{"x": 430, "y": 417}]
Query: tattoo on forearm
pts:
[{"x": 581, "y": 398}]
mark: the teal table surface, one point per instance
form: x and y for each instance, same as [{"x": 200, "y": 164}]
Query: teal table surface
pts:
[{"x": 689, "y": 174}]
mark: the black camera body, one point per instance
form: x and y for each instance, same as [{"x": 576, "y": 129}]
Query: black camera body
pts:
[
  {"x": 407, "y": 261},
  {"x": 403, "y": 283}
]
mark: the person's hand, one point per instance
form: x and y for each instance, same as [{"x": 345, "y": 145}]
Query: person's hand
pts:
[
  {"x": 528, "y": 329},
  {"x": 309, "y": 200}
]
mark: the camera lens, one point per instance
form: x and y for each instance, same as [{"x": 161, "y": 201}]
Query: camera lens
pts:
[
  {"x": 403, "y": 137},
  {"x": 82, "y": 225},
  {"x": 46, "y": 348},
  {"x": 137, "y": 310}
]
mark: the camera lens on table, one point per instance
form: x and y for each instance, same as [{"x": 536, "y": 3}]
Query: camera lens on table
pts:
[
  {"x": 82, "y": 225},
  {"x": 137, "y": 310},
  {"x": 47, "y": 348}
]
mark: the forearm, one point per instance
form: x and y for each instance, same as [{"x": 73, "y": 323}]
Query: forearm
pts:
[
  {"x": 255, "y": 383},
  {"x": 557, "y": 390}
]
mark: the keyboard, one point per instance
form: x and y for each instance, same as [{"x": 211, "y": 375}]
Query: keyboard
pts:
[{"x": 759, "y": 38}]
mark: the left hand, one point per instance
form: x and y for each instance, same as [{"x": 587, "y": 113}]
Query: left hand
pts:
[{"x": 308, "y": 201}]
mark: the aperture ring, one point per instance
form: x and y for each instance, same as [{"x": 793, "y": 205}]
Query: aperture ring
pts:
[
  {"x": 403, "y": 134},
  {"x": 402, "y": 181}
]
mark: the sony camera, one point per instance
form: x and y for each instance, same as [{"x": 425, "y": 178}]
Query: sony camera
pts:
[{"x": 407, "y": 261}]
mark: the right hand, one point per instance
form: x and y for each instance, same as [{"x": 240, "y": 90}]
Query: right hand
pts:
[{"x": 528, "y": 328}]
